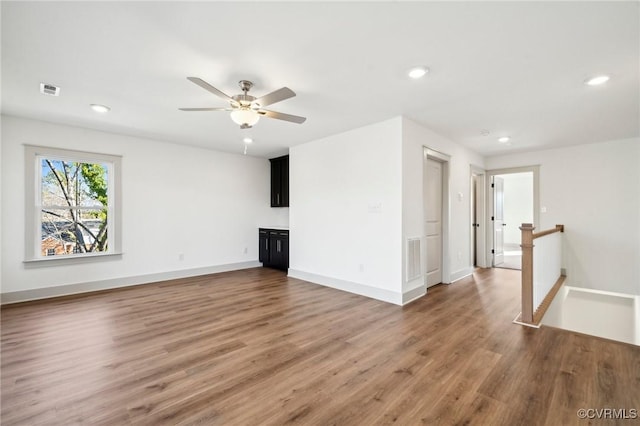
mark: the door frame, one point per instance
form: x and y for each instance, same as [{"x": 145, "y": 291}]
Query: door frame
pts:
[
  {"x": 535, "y": 169},
  {"x": 440, "y": 157},
  {"x": 479, "y": 205}
]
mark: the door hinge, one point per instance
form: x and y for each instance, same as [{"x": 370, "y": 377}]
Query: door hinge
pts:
[
  {"x": 492, "y": 218},
  {"x": 493, "y": 185},
  {"x": 493, "y": 251}
]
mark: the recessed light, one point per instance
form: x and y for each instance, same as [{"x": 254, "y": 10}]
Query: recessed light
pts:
[
  {"x": 504, "y": 139},
  {"x": 100, "y": 108},
  {"x": 596, "y": 81},
  {"x": 247, "y": 140},
  {"x": 418, "y": 72},
  {"x": 484, "y": 132}
]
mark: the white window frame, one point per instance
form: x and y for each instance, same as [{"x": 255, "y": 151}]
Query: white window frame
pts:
[{"x": 33, "y": 190}]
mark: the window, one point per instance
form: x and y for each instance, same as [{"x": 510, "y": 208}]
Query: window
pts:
[{"x": 72, "y": 204}]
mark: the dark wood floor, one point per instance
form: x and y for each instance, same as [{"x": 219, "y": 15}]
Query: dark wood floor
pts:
[{"x": 255, "y": 347}]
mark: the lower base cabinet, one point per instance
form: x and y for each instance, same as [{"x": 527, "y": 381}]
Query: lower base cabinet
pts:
[{"x": 274, "y": 248}]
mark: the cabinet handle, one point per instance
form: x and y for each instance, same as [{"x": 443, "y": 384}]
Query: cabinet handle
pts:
[
  {"x": 266, "y": 245},
  {"x": 278, "y": 245},
  {"x": 277, "y": 198}
]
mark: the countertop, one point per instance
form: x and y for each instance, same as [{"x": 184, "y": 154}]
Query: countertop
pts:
[{"x": 277, "y": 227}]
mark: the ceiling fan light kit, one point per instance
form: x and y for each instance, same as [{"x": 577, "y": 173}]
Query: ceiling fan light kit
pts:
[
  {"x": 245, "y": 117},
  {"x": 246, "y": 109}
]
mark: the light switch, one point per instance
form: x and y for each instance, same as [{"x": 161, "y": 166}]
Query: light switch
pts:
[
  {"x": 543, "y": 209},
  {"x": 375, "y": 207}
]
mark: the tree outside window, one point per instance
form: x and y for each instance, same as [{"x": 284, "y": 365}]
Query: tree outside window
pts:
[{"x": 74, "y": 212}]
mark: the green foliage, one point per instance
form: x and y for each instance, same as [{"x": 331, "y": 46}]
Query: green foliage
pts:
[{"x": 95, "y": 177}]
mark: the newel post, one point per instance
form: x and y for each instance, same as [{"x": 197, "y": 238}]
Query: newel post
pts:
[{"x": 527, "y": 272}]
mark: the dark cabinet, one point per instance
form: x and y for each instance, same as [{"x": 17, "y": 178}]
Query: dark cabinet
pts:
[
  {"x": 274, "y": 248},
  {"x": 263, "y": 248},
  {"x": 280, "y": 181}
]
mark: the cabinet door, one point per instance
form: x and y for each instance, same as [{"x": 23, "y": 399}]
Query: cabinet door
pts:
[
  {"x": 276, "y": 182},
  {"x": 284, "y": 178},
  {"x": 284, "y": 237},
  {"x": 280, "y": 181},
  {"x": 279, "y": 249},
  {"x": 263, "y": 246},
  {"x": 275, "y": 250}
]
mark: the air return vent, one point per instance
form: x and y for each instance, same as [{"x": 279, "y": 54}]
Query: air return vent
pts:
[
  {"x": 414, "y": 270},
  {"x": 49, "y": 89}
]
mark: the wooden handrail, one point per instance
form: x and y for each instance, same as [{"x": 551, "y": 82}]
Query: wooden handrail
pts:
[
  {"x": 558, "y": 228},
  {"x": 531, "y": 314}
]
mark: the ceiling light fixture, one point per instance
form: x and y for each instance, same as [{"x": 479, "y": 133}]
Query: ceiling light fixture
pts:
[
  {"x": 598, "y": 80},
  {"x": 100, "y": 108},
  {"x": 247, "y": 140},
  {"x": 504, "y": 139},
  {"x": 245, "y": 117},
  {"x": 418, "y": 72}
]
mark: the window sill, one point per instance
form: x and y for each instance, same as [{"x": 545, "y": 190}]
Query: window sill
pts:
[{"x": 71, "y": 259}]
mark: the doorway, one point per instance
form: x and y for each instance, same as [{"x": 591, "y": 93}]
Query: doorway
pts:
[
  {"x": 433, "y": 218},
  {"x": 436, "y": 216},
  {"x": 477, "y": 212},
  {"x": 514, "y": 202}
]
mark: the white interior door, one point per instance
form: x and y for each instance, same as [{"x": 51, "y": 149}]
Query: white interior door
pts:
[
  {"x": 498, "y": 220},
  {"x": 433, "y": 209},
  {"x": 474, "y": 220}
]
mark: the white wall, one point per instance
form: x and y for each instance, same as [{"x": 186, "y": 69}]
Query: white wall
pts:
[
  {"x": 518, "y": 205},
  {"x": 345, "y": 211},
  {"x": 176, "y": 199},
  {"x": 415, "y": 137},
  {"x": 594, "y": 190},
  {"x": 357, "y": 196}
]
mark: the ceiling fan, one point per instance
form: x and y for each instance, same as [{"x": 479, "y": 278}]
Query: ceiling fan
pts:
[{"x": 246, "y": 109}]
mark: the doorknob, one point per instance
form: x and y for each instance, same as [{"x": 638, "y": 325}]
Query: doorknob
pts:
[{"x": 504, "y": 224}]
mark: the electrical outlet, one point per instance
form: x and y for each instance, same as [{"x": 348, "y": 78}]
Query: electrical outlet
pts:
[
  {"x": 181, "y": 257},
  {"x": 361, "y": 267},
  {"x": 245, "y": 250}
]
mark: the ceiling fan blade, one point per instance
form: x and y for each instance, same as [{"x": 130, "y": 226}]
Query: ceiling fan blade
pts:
[
  {"x": 206, "y": 86},
  {"x": 282, "y": 116},
  {"x": 277, "y": 96},
  {"x": 205, "y": 109}
]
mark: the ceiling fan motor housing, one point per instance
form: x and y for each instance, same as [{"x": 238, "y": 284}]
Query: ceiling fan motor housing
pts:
[{"x": 245, "y": 101}]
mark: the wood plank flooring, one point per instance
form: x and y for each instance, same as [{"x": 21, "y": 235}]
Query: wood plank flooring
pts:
[{"x": 254, "y": 347}]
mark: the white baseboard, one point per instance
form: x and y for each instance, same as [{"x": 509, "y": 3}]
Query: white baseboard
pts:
[
  {"x": 413, "y": 294},
  {"x": 349, "y": 286},
  {"x": 462, "y": 273},
  {"x": 66, "y": 290}
]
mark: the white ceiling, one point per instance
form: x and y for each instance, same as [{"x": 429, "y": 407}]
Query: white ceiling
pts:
[{"x": 513, "y": 68}]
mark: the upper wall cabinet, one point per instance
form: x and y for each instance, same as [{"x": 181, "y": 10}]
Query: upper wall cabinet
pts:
[{"x": 280, "y": 181}]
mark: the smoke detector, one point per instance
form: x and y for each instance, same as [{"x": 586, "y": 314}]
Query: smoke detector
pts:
[{"x": 49, "y": 89}]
